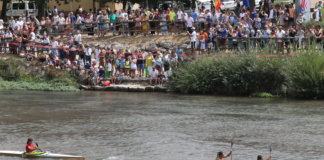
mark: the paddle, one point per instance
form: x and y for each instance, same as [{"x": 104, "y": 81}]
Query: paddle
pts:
[
  {"x": 270, "y": 149},
  {"x": 38, "y": 147},
  {"x": 232, "y": 145}
]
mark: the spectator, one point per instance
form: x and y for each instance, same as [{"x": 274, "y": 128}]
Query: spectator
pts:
[
  {"x": 153, "y": 76},
  {"x": 192, "y": 39}
]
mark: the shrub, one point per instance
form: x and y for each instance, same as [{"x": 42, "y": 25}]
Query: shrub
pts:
[{"x": 306, "y": 77}]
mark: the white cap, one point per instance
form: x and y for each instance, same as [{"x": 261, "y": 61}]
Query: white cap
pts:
[
  {"x": 100, "y": 67},
  {"x": 193, "y": 28}
]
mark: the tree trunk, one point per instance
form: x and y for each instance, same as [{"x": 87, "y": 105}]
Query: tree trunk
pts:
[
  {"x": 252, "y": 4},
  {"x": 124, "y": 4},
  {"x": 41, "y": 9},
  {"x": 194, "y": 5},
  {"x": 3, "y": 13}
]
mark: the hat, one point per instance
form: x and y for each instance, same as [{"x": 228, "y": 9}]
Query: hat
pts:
[
  {"x": 123, "y": 56},
  {"x": 100, "y": 12},
  {"x": 100, "y": 67},
  {"x": 193, "y": 28},
  {"x": 70, "y": 33},
  {"x": 37, "y": 35},
  {"x": 54, "y": 5}
]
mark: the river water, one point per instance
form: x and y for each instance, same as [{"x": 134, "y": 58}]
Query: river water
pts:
[{"x": 146, "y": 126}]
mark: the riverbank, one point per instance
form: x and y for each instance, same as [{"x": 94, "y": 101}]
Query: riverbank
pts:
[{"x": 18, "y": 74}]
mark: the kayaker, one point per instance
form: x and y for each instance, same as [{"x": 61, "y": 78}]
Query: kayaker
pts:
[
  {"x": 221, "y": 155},
  {"x": 30, "y": 146},
  {"x": 261, "y": 158}
]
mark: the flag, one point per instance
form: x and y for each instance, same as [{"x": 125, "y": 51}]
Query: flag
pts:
[
  {"x": 246, "y": 3},
  {"x": 217, "y": 5},
  {"x": 304, "y": 4}
]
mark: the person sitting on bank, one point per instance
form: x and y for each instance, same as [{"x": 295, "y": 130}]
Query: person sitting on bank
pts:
[
  {"x": 87, "y": 68},
  {"x": 29, "y": 56},
  {"x": 102, "y": 74},
  {"x": 153, "y": 76},
  {"x": 41, "y": 56},
  {"x": 221, "y": 155},
  {"x": 90, "y": 78},
  {"x": 30, "y": 146},
  {"x": 161, "y": 77},
  {"x": 261, "y": 158}
]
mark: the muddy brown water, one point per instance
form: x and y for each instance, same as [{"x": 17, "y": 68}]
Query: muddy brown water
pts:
[{"x": 145, "y": 126}]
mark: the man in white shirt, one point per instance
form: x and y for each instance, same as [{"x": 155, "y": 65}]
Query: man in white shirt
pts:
[
  {"x": 77, "y": 38},
  {"x": 61, "y": 22},
  {"x": 20, "y": 23},
  {"x": 190, "y": 22},
  {"x": 87, "y": 51},
  {"x": 192, "y": 39},
  {"x": 280, "y": 34},
  {"x": 46, "y": 42},
  {"x": 97, "y": 52},
  {"x": 214, "y": 17},
  {"x": 15, "y": 24},
  {"x": 153, "y": 76}
]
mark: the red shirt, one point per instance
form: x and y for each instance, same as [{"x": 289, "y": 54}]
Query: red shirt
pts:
[{"x": 28, "y": 147}]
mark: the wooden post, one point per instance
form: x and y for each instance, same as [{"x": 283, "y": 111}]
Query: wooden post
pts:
[
  {"x": 123, "y": 29},
  {"x": 174, "y": 25},
  {"x": 217, "y": 43}
]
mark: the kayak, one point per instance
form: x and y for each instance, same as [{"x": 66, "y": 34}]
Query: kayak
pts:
[{"x": 39, "y": 155}]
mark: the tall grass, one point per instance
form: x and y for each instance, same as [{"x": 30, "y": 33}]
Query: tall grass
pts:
[{"x": 300, "y": 76}]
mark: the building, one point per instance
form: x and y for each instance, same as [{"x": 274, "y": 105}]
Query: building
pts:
[{"x": 86, "y": 5}]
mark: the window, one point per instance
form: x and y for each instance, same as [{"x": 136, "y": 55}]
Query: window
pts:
[
  {"x": 101, "y": 4},
  {"x": 15, "y": 6},
  {"x": 9, "y": 6},
  {"x": 21, "y": 5},
  {"x": 31, "y": 6}
]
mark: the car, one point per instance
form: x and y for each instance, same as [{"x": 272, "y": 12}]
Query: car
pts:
[
  {"x": 231, "y": 4},
  {"x": 17, "y": 8}
]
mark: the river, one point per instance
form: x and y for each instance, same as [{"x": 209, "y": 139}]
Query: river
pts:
[{"x": 146, "y": 126}]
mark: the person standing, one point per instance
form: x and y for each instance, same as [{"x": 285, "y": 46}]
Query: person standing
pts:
[
  {"x": 291, "y": 14},
  {"x": 319, "y": 7},
  {"x": 87, "y": 51},
  {"x": 192, "y": 39}
]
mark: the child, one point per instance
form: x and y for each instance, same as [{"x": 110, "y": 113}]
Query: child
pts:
[
  {"x": 108, "y": 68},
  {"x": 29, "y": 56},
  {"x": 90, "y": 81},
  {"x": 202, "y": 44},
  {"x": 120, "y": 76},
  {"x": 65, "y": 64},
  {"x": 122, "y": 63},
  {"x": 87, "y": 68},
  {"x": 127, "y": 66}
]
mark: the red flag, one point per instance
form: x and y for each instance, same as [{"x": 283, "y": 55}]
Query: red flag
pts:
[{"x": 304, "y": 4}]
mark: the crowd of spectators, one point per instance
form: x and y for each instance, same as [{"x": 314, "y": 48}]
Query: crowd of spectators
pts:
[{"x": 63, "y": 34}]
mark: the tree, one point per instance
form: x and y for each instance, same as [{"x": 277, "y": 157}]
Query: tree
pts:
[{"x": 252, "y": 4}]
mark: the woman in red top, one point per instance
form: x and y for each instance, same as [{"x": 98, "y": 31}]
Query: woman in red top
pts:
[{"x": 30, "y": 146}]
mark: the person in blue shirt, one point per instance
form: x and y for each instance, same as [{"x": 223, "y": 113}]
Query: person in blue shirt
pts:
[
  {"x": 254, "y": 13},
  {"x": 179, "y": 51},
  {"x": 194, "y": 14},
  {"x": 236, "y": 20},
  {"x": 220, "y": 18},
  {"x": 301, "y": 9},
  {"x": 264, "y": 20},
  {"x": 55, "y": 9},
  {"x": 209, "y": 21},
  {"x": 72, "y": 17},
  {"x": 223, "y": 31}
]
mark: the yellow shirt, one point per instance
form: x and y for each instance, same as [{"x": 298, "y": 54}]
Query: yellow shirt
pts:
[
  {"x": 127, "y": 65},
  {"x": 172, "y": 15},
  {"x": 149, "y": 60}
]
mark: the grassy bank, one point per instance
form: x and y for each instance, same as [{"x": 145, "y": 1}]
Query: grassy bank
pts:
[
  {"x": 13, "y": 79},
  {"x": 300, "y": 76}
]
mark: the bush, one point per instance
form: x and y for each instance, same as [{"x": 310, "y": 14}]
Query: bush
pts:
[
  {"x": 306, "y": 77},
  {"x": 237, "y": 76}
]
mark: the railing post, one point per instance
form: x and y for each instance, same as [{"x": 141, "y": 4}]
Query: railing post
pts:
[
  {"x": 123, "y": 28},
  {"x": 217, "y": 43}
]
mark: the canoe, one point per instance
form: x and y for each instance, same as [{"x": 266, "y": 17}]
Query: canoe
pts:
[{"x": 39, "y": 155}]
